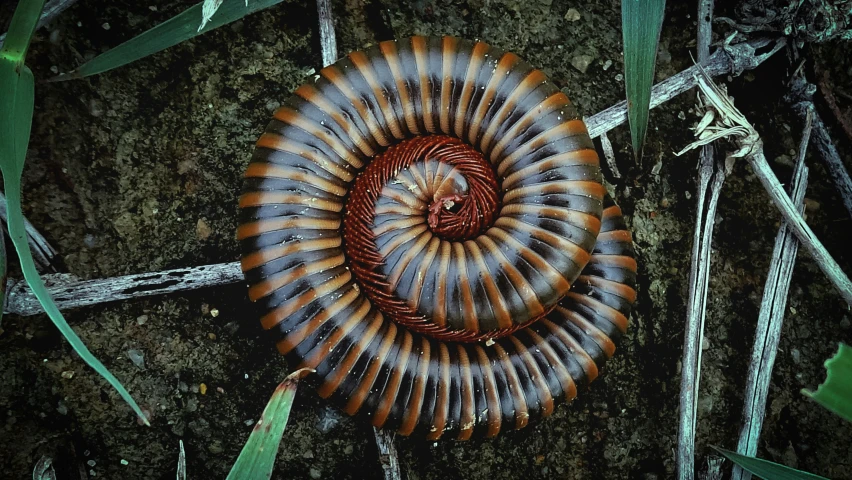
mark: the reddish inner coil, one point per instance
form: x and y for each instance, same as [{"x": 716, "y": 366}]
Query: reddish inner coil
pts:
[{"x": 459, "y": 206}]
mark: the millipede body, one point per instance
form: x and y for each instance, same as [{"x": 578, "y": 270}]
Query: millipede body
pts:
[{"x": 426, "y": 226}]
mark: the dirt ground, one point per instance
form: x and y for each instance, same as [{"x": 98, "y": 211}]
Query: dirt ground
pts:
[{"x": 139, "y": 170}]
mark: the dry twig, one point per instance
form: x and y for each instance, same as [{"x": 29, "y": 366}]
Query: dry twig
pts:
[
  {"x": 771, "y": 318},
  {"x": 328, "y": 42},
  {"x": 801, "y": 100},
  {"x": 699, "y": 275},
  {"x": 387, "y": 454},
  {"x": 732, "y": 123}
]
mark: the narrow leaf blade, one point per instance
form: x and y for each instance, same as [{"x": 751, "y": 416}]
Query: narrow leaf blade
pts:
[
  {"x": 766, "y": 469},
  {"x": 21, "y": 30},
  {"x": 177, "y": 29},
  {"x": 641, "y": 22},
  {"x": 836, "y": 393},
  {"x": 257, "y": 459},
  {"x": 17, "y": 95}
]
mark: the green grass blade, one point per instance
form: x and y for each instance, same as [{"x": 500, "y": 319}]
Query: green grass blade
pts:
[
  {"x": 21, "y": 30},
  {"x": 17, "y": 94},
  {"x": 257, "y": 460},
  {"x": 169, "y": 33},
  {"x": 836, "y": 393},
  {"x": 766, "y": 469},
  {"x": 641, "y": 22}
]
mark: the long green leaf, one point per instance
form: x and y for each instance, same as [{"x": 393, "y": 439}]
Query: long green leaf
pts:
[
  {"x": 641, "y": 22},
  {"x": 257, "y": 459},
  {"x": 766, "y": 469},
  {"x": 169, "y": 33},
  {"x": 17, "y": 93},
  {"x": 836, "y": 393}
]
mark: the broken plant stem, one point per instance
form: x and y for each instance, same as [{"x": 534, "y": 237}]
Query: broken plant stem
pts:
[
  {"x": 696, "y": 311},
  {"x": 699, "y": 276},
  {"x": 731, "y": 123},
  {"x": 771, "y": 318},
  {"x": 387, "y": 454},
  {"x": 328, "y": 42},
  {"x": 70, "y": 292},
  {"x": 801, "y": 100}
]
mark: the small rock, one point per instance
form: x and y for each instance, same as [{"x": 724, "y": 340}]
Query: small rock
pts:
[
  {"x": 96, "y": 107},
  {"x": 308, "y": 454},
  {"x": 203, "y": 388},
  {"x": 606, "y": 65},
  {"x": 797, "y": 356},
  {"x": 68, "y": 374},
  {"x": 62, "y": 409},
  {"x": 125, "y": 462},
  {"x": 572, "y": 15},
  {"x": 348, "y": 449},
  {"x": 214, "y": 312},
  {"x": 316, "y": 473},
  {"x": 845, "y": 322},
  {"x": 582, "y": 62},
  {"x": 137, "y": 357},
  {"x": 105, "y": 26},
  {"x": 202, "y": 229},
  {"x": 328, "y": 419},
  {"x": 619, "y": 77},
  {"x": 141, "y": 319},
  {"x": 91, "y": 463}
]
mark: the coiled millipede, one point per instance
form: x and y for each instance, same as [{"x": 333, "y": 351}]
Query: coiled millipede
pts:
[{"x": 426, "y": 226}]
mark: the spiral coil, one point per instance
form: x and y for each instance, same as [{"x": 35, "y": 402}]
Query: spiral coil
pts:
[{"x": 426, "y": 226}]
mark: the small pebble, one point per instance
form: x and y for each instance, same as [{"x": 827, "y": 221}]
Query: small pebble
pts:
[
  {"x": 91, "y": 463},
  {"x": 105, "y": 26},
  {"x": 211, "y": 336},
  {"x": 124, "y": 462},
  {"x": 606, "y": 65},
  {"x": 572, "y": 15},
  {"x": 308, "y": 454},
  {"x": 62, "y": 409},
  {"x": 55, "y": 37},
  {"x": 220, "y": 389},
  {"x": 214, "y": 312},
  {"x": 68, "y": 374},
  {"x": 203, "y": 389},
  {"x": 316, "y": 473},
  {"x": 141, "y": 319},
  {"x": 582, "y": 62},
  {"x": 619, "y": 77},
  {"x": 202, "y": 229},
  {"x": 205, "y": 309},
  {"x": 54, "y": 69},
  {"x": 96, "y": 108},
  {"x": 348, "y": 449},
  {"x": 137, "y": 357}
]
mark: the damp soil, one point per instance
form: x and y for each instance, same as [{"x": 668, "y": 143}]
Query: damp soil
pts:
[{"x": 139, "y": 170}]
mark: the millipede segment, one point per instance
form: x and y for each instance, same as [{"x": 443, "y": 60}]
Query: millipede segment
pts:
[{"x": 426, "y": 226}]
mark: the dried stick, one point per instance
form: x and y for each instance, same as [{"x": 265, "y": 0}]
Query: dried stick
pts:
[
  {"x": 801, "y": 100},
  {"x": 51, "y": 10},
  {"x": 69, "y": 292},
  {"x": 43, "y": 253},
  {"x": 731, "y": 59},
  {"x": 328, "y": 42},
  {"x": 699, "y": 276},
  {"x": 387, "y": 454},
  {"x": 696, "y": 310},
  {"x": 732, "y": 123},
  {"x": 771, "y": 318},
  {"x": 20, "y": 301}
]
